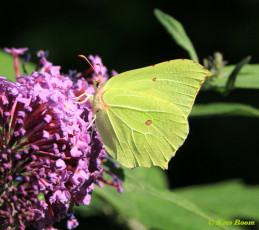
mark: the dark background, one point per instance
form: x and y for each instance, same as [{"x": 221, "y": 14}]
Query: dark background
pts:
[{"x": 127, "y": 35}]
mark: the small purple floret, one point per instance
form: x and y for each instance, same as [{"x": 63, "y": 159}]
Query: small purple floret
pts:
[
  {"x": 15, "y": 51},
  {"x": 72, "y": 223}
]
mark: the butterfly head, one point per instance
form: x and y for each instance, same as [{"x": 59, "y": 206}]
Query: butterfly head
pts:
[{"x": 98, "y": 83}]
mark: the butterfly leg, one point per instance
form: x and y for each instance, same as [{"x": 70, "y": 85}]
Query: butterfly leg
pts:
[
  {"x": 92, "y": 121},
  {"x": 88, "y": 96}
]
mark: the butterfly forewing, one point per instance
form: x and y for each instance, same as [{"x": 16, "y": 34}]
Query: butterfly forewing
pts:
[{"x": 176, "y": 81}]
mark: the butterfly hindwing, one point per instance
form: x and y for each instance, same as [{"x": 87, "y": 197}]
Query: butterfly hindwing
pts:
[{"x": 145, "y": 130}]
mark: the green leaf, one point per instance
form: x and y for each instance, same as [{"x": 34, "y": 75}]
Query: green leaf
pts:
[
  {"x": 94, "y": 209},
  {"x": 154, "y": 207},
  {"x": 232, "y": 77},
  {"x": 176, "y": 30},
  {"x": 7, "y": 66},
  {"x": 248, "y": 77},
  {"x": 224, "y": 109},
  {"x": 226, "y": 198},
  {"x": 154, "y": 176}
]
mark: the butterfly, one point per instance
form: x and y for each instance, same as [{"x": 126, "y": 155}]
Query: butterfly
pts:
[{"x": 141, "y": 115}]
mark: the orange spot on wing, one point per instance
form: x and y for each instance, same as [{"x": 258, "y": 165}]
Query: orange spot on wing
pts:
[{"x": 148, "y": 122}]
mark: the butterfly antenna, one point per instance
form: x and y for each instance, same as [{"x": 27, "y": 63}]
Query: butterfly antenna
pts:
[
  {"x": 101, "y": 79},
  {"x": 84, "y": 57}
]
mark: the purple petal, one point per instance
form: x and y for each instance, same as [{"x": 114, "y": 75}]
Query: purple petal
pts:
[
  {"x": 60, "y": 164},
  {"x": 15, "y": 51}
]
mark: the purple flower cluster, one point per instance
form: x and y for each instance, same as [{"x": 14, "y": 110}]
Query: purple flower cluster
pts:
[{"x": 50, "y": 159}]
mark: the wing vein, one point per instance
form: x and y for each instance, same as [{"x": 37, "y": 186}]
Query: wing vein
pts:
[
  {"x": 126, "y": 122},
  {"x": 117, "y": 139},
  {"x": 126, "y": 140},
  {"x": 165, "y": 137},
  {"x": 137, "y": 147},
  {"x": 153, "y": 150}
]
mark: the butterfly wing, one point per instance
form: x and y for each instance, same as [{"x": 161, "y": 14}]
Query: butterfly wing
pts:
[
  {"x": 140, "y": 130},
  {"x": 144, "y": 120},
  {"x": 177, "y": 82}
]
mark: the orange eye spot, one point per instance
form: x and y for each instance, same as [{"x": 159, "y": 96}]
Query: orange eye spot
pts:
[{"x": 148, "y": 122}]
